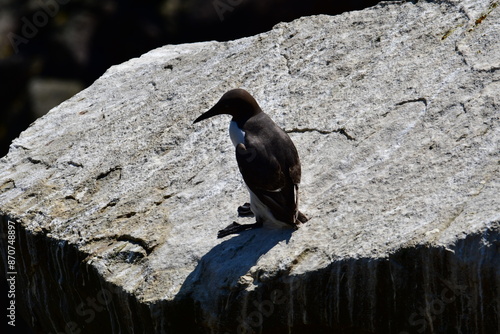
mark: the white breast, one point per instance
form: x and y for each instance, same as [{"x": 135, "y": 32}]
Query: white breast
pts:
[
  {"x": 237, "y": 135},
  {"x": 263, "y": 213}
]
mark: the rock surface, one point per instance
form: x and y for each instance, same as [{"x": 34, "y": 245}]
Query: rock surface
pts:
[{"x": 117, "y": 198}]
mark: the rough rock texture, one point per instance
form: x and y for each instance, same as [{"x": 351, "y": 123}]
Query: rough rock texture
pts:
[{"x": 117, "y": 197}]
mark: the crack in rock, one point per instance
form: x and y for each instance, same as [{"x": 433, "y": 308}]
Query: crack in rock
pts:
[
  {"x": 8, "y": 185},
  {"x": 110, "y": 171},
  {"x": 136, "y": 241},
  {"x": 342, "y": 131},
  {"x": 420, "y": 99},
  {"x": 38, "y": 161}
]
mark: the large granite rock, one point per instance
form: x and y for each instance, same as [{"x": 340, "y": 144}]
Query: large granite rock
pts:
[{"x": 117, "y": 198}]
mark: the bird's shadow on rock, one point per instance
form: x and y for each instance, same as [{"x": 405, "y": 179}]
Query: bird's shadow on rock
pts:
[{"x": 219, "y": 271}]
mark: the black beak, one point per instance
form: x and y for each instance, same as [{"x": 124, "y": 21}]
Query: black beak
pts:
[{"x": 211, "y": 112}]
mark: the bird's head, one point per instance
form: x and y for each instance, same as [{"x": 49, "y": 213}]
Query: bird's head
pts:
[{"x": 237, "y": 103}]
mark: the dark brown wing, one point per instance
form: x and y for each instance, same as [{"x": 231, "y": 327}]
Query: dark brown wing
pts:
[{"x": 270, "y": 166}]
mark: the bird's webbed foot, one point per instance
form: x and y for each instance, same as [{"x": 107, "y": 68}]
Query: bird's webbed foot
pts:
[
  {"x": 237, "y": 228},
  {"x": 245, "y": 210}
]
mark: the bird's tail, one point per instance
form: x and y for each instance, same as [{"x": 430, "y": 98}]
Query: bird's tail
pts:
[{"x": 300, "y": 218}]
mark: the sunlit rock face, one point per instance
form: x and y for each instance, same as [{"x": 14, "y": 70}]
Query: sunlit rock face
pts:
[{"x": 116, "y": 197}]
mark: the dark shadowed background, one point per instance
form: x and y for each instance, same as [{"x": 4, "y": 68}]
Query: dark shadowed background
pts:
[{"x": 52, "y": 49}]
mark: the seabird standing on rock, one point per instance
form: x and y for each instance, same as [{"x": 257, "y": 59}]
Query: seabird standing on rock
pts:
[{"x": 267, "y": 159}]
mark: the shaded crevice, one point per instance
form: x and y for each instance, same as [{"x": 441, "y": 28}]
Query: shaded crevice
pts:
[
  {"x": 38, "y": 162},
  {"x": 110, "y": 171},
  {"x": 8, "y": 185},
  {"x": 20, "y": 146},
  {"x": 342, "y": 131},
  {"x": 75, "y": 164},
  {"x": 420, "y": 99},
  {"x": 136, "y": 241},
  {"x": 164, "y": 197},
  {"x": 127, "y": 215},
  {"x": 145, "y": 245},
  {"x": 110, "y": 204}
]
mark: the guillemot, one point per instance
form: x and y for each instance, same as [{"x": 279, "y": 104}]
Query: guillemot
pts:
[{"x": 267, "y": 160}]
